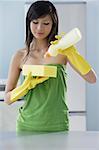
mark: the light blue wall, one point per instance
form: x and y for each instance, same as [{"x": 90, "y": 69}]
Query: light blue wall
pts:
[
  {"x": 11, "y": 32},
  {"x": 92, "y": 99}
]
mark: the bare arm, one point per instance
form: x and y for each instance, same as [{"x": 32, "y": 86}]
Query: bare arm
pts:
[
  {"x": 89, "y": 77},
  {"x": 13, "y": 76}
]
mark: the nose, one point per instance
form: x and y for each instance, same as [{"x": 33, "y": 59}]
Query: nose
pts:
[{"x": 40, "y": 27}]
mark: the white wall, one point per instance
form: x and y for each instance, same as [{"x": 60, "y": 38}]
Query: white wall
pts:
[{"x": 11, "y": 32}]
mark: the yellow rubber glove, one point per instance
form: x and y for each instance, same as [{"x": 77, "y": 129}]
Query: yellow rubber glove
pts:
[
  {"x": 76, "y": 59},
  {"x": 64, "y": 45},
  {"x": 29, "y": 83},
  {"x": 36, "y": 81}
]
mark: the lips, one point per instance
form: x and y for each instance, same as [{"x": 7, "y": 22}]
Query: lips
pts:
[{"x": 40, "y": 33}]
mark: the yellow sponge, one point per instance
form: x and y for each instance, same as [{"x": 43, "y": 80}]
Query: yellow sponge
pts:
[{"x": 40, "y": 70}]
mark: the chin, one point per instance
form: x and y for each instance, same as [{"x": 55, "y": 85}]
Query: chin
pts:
[{"x": 40, "y": 37}]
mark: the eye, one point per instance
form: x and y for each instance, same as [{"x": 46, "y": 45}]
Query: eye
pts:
[
  {"x": 47, "y": 23},
  {"x": 35, "y": 22}
]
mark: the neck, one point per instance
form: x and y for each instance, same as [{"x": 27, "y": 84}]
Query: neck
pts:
[{"x": 39, "y": 44}]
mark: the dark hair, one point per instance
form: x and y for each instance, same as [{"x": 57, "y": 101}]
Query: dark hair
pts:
[{"x": 39, "y": 9}]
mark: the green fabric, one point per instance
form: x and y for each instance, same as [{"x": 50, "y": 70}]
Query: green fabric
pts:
[{"x": 45, "y": 109}]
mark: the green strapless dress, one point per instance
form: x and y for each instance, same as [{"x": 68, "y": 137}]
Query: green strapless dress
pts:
[{"x": 44, "y": 108}]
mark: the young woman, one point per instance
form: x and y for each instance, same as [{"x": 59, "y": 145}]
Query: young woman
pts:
[{"x": 44, "y": 108}]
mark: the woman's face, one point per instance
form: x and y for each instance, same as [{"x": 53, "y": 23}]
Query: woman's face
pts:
[{"x": 41, "y": 27}]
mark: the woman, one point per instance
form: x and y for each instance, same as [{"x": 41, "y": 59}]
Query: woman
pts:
[{"x": 45, "y": 108}]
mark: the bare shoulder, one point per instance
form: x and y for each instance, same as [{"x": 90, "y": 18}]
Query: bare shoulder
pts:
[
  {"x": 18, "y": 57},
  {"x": 20, "y": 53}
]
